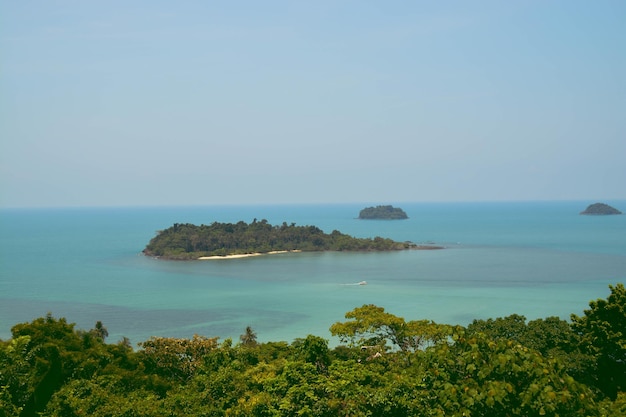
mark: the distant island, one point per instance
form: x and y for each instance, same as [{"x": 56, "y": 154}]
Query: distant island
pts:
[
  {"x": 600, "y": 209},
  {"x": 233, "y": 240},
  {"x": 382, "y": 213}
]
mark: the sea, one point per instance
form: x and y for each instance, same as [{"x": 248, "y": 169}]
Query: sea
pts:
[{"x": 536, "y": 259}]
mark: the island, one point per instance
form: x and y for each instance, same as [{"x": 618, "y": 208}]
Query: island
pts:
[
  {"x": 600, "y": 209},
  {"x": 382, "y": 213},
  {"x": 235, "y": 240}
]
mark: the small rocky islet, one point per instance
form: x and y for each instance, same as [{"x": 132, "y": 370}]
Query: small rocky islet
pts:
[{"x": 600, "y": 209}]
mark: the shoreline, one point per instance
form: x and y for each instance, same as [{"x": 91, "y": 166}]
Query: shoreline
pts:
[
  {"x": 249, "y": 255},
  {"x": 245, "y": 255}
]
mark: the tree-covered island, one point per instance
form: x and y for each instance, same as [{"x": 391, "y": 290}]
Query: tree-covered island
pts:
[
  {"x": 382, "y": 213},
  {"x": 189, "y": 241}
]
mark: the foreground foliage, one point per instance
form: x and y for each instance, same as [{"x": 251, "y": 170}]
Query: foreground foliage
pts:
[
  {"x": 390, "y": 367},
  {"x": 189, "y": 241}
]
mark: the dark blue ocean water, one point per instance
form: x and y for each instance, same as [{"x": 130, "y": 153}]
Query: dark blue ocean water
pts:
[{"x": 538, "y": 259}]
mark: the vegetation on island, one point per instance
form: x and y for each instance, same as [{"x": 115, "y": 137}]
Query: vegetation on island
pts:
[
  {"x": 384, "y": 366},
  {"x": 188, "y": 241},
  {"x": 383, "y": 213},
  {"x": 600, "y": 209}
]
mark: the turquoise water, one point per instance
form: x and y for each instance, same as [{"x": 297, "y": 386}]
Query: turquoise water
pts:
[{"x": 537, "y": 259}]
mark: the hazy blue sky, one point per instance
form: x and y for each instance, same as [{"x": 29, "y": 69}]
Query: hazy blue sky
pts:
[{"x": 222, "y": 102}]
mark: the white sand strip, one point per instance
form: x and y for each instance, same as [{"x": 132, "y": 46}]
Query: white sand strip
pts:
[{"x": 244, "y": 255}]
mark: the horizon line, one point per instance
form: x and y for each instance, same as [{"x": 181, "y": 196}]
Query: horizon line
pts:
[{"x": 335, "y": 203}]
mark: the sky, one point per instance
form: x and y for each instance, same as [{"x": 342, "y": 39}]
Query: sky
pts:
[{"x": 145, "y": 103}]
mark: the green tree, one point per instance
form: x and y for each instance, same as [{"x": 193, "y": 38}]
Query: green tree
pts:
[
  {"x": 249, "y": 337},
  {"x": 176, "y": 359},
  {"x": 100, "y": 331},
  {"x": 479, "y": 376},
  {"x": 54, "y": 352},
  {"x": 550, "y": 336},
  {"x": 104, "y": 396},
  {"x": 616, "y": 408},
  {"x": 313, "y": 350},
  {"x": 512, "y": 327},
  {"x": 603, "y": 332},
  {"x": 14, "y": 369},
  {"x": 371, "y": 325}
]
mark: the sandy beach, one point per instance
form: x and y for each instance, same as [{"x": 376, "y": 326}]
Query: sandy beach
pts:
[{"x": 244, "y": 255}]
